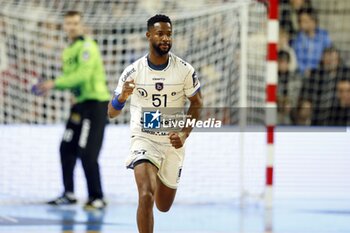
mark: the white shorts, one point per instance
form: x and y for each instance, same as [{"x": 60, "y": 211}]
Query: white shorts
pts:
[{"x": 165, "y": 157}]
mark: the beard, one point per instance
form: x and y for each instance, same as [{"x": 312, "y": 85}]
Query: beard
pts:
[{"x": 160, "y": 51}]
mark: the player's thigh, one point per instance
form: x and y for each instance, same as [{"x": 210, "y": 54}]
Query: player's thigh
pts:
[
  {"x": 168, "y": 177},
  {"x": 171, "y": 167},
  {"x": 146, "y": 178},
  {"x": 142, "y": 148},
  {"x": 72, "y": 131},
  {"x": 164, "y": 196}
]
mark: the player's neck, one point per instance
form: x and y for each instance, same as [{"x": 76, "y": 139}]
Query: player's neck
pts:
[
  {"x": 72, "y": 39},
  {"x": 311, "y": 33},
  {"x": 156, "y": 59}
]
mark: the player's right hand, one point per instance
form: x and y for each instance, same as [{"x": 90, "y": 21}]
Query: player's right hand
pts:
[
  {"x": 127, "y": 90},
  {"x": 42, "y": 88}
]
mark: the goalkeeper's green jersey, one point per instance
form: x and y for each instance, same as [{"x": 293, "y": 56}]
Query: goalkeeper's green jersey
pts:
[{"x": 83, "y": 71}]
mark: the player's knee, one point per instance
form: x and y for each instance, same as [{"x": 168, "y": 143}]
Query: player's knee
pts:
[
  {"x": 89, "y": 162},
  {"x": 162, "y": 207},
  {"x": 66, "y": 154},
  {"x": 64, "y": 149},
  {"x": 146, "y": 198},
  {"x": 88, "y": 165}
]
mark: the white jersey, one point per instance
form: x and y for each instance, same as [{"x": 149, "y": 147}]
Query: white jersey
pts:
[{"x": 155, "y": 88}]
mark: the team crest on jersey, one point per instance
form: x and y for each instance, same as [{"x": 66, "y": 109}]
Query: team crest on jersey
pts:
[
  {"x": 159, "y": 86},
  {"x": 86, "y": 55}
]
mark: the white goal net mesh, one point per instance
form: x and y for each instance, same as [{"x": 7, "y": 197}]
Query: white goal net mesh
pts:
[{"x": 207, "y": 34}]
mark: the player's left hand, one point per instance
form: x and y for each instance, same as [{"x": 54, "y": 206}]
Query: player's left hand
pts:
[
  {"x": 177, "y": 139},
  {"x": 46, "y": 86}
]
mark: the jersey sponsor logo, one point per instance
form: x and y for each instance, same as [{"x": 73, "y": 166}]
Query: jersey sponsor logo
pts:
[
  {"x": 87, "y": 44},
  {"x": 68, "y": 135},
  {"x": 156, "y": 133},
  {"x": 159, "y": 86},
  {"x": 158, "y": 79},
  {"x": 184, "y": 63},
  {"x": 75, "y": 118},
  {"x": 139, "y": 152},
  {"x": 127, "y": 75},
  {"x": 84, "y": 134},
  {"x": 86, "y": 55},
  {"x": 142, "y": 92},
  {"x": 195, "y": 79},
  {"x": 179, "y": 175}
]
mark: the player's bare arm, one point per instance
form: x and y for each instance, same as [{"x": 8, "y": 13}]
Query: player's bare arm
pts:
[
  {"x": 178, "y": 139},
  {"x": 46, "y": 86},
  {"x": 113, "y": 110}
]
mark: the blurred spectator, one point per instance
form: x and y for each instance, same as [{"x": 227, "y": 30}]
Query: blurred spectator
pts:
[
  {"x": 283, "y": 44},
  {"x": 289, "y": 85},
  {"x": 320, "y": 88},
  {"x": 340, "y": 115},
  {"x": 303, "y": 113},
  {"x": 289, "y": 14},
  {"x": 310, "y": 42},
  {"x": 343, "y": 93},
  {"x": 3, "y": 56}
]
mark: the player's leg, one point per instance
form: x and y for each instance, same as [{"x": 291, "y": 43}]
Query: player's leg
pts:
[
  {"x": 145, "y": 159},
  {"x": 164, "y": 196},
  {"x": 146, "y": 180},
  {"x": 68, "y": 155},
  {"x": 168, "y": 178},
  {"x": 90, "y": 142}
]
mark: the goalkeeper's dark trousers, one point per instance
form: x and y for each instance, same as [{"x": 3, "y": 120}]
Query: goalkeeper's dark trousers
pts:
[{"x": 83, "y": 139}]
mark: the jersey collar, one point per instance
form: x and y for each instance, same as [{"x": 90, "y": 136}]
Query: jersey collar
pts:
[
  {"x": 78, "y": 38},
  {"x": 162, "y": 67}
]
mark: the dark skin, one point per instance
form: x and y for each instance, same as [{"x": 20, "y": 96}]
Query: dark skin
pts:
[{"x": 150, "y": 188}]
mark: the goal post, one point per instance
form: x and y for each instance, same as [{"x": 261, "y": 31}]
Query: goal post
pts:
[{"x": 271, "y": 97}]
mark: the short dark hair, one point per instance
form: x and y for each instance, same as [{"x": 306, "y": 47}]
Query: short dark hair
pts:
[
  {"x": 73, "y": 13},
  {"x": 157, "y": 18},
  {"x": 343, "y": 79},
  {"x": 283, "y": 55},
  {"x": 310, "y": 12},
  {"x": 331, "y": 49}
]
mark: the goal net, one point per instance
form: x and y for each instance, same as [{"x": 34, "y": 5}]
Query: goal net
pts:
[{"x": 225, "y": 42}]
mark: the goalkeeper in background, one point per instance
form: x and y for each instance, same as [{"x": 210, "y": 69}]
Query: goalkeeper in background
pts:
[{"x": 84, "y": 75}]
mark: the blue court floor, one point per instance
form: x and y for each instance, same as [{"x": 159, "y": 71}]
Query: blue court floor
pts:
[{"x": 288, "y": 216}]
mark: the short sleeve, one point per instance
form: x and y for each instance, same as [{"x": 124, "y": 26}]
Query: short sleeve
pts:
[
  {"x": 128, "y": 74},
  {"x": 192, "y": 84}
]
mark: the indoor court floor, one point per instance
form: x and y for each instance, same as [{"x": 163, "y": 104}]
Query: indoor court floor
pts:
[{"x": 293, "y": 216}]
